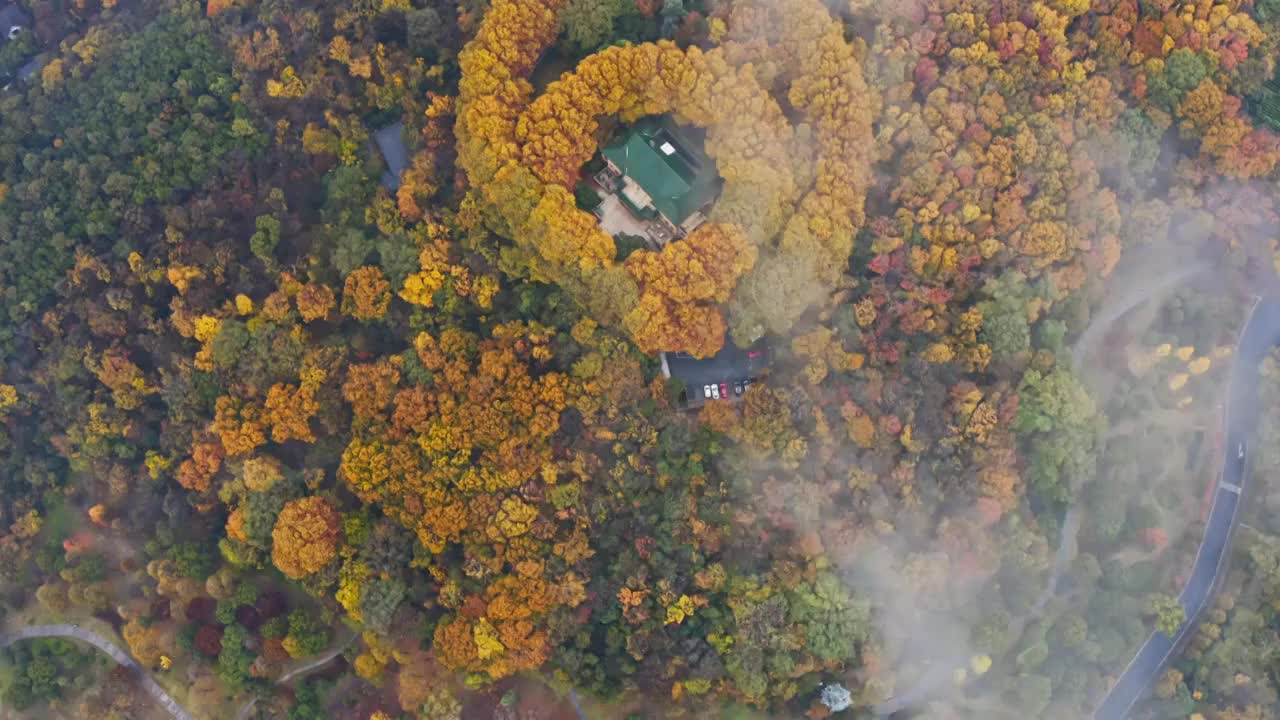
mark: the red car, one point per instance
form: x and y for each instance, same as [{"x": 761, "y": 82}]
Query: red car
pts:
[{"x": 724, "y": 390}]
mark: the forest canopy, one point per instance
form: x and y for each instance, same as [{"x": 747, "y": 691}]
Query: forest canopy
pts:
[{"x": 343, "y": 375}]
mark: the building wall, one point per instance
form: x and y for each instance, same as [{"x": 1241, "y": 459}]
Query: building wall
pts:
[
  {"x": 636, "y": 194},
  {"x": 692, "y": 222}
]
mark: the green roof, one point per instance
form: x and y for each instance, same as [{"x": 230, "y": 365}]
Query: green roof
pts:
[{"x": 680, "y": 180}]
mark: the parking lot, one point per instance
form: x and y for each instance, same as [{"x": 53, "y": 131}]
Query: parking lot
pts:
[{"x": 724, "y": 376}]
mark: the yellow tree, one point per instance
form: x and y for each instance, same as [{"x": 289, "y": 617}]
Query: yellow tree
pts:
[
  {"x": 315, "y": 300},
  {"x": 239, "y": 425},
  {"x": 367, "y": 294},
  {"x": 289, "y": 410},
  {"x": 680, "y": 287}
]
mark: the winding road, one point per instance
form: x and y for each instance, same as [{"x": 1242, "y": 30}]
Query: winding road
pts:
[
  {"x": 939, "y": 675},
  {"x": 76, "y": 632},
  {"x": 1261, "y": 332}
]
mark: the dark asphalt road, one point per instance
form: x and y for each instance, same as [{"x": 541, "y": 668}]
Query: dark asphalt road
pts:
[{"x": 1260, "y": 334}]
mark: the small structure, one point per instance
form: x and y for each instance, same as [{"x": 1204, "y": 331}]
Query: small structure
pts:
[
  {"x": 730, "y": 366},
  {"x": 32, "y": 66},
  {"x": 836, "y": 697},
  {"x": 660, "y": 174},
  {"x": 13, "y": 22},
  {"x": 17, "y": 45},
  {"x": 390, "y": 140}
]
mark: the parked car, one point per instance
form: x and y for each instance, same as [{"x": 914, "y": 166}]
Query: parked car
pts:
[
  {"x": 724, "y": 390},
  {"x": 737, "y": 388},
  {"x": 706, "y": 391},
  {"x": 1240, "y": 451},
  {"x": 715, "y": 392}
]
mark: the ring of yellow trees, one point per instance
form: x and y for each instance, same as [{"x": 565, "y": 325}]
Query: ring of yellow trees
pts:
[
  {"x": 799, "y": 40},
  {"x": 524, "y": 157},
  {"x": 681, "y": 287}
]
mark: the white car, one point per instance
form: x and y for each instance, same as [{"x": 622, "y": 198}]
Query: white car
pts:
[
  {"x": 706, "y": 391},
  {"x": 715, "y": 392},
  {"x": 1240, "y": 451}
]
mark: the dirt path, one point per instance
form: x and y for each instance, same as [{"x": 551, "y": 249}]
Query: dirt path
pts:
[
  {"x": 1118, "y": 309},
  {"x": 319, "y": 662}
]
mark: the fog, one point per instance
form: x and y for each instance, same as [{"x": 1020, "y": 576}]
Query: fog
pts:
[{"x": 926, "y": 636}]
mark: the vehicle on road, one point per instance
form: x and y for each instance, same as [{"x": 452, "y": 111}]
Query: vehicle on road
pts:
[
  {"x": 737, "y": 388},
  {"x": 724, "y": 390},
  {"x": 715, "y": 392},
  {"x": 1214, "y": 555},
  {"x": 706, "y": 391}
]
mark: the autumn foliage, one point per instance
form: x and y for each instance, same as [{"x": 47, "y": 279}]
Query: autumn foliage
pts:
[
  {"x": 504, "y": 135},
  {"x": 683, "y": 287},
  {"x": 439, "y": 456},
  {"x": 314, "y": 301},
  {"x": 438, "y": 406},
  {"x": 367, "y": 294},
  {"x": 305, "y": 536},
  {"x": 505, "y": 639},
  {"x": 196, "y": 472}
]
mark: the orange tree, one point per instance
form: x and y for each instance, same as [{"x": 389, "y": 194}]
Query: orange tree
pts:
[
  {"x": 461, "y": 454},
  {"x": 305, "y": 536}
]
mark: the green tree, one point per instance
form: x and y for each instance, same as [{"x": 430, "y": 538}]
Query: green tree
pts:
[
  {"x": 387, "y": 548},
  {"x": 1143, "y": 138},
  {"x": 378, "y": 602},
  {"x": 92, "y": 160},
  {"x": 1033, "y": 693},
  {"x": 1169, "y": 614},
  {"x": 264, "y": 240},
  {"x": 309, "y": 701},
  {"x": 307, "y": 634},
  {"x": 1005, "y": 328},
  {"x": 1071, "y": 630},
  {"x": 992, "y": 634},
  {"x": 245, "y": 593},
  {"x": 1184, "y": 69},
  {"x": 1059, "y": 423},
  {"x": 235, "y": 659},
  {"x": 834, "y": 622},
  {"x": 192, "y": 560},
  {"x": 232, "y": 338},
  {"x": 42, "y": 669},
  {"x": 588, "y": 24},
  {"x": 425, "y": 31}
]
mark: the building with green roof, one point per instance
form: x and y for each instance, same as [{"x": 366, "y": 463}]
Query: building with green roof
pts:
[{"x": 664, "y": 173}]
